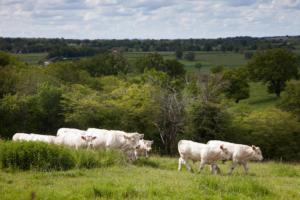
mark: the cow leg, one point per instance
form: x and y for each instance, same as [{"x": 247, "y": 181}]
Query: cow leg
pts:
[
  {"x": 183, "y": 161},
  {"x": 246, "y": 168},
  {"x": 201, "y": 166},
  {"x": 147, "y": 154},
  {"x": 215, "y": 169},
  {"x": 234, "y": 164}
]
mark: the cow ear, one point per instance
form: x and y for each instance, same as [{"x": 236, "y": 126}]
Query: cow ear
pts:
[
  {"x": 142, "y": 136},
  {"x": 83, "y": 137},
  {"x": 253, "y": 147}
]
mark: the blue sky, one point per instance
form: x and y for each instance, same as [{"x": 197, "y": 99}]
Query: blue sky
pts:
[{"x": 107, "y": 19}]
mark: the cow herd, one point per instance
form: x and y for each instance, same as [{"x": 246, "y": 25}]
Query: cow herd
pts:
[{"x": 133, "y": 145}]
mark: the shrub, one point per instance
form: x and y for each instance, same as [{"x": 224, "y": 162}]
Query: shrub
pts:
[
  {"x": 92, "y": 159},
  {"x": 35, "y": 155}
]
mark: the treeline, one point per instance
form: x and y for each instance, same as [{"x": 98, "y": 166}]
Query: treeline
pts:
[
  {"x": 78, "y": 48},
  {"x": 154, "y": 97}
]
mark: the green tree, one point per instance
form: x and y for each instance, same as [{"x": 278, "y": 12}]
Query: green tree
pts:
[
  {"x": 174, "y": 68},
  {"x": 217, "y": 69},
  {"x": 179, "y": 53},
  {"x": 198, "y": 65},
  {"x": 105, "y": 64},
  {"x": 275, "y": 131},
  {"x": 274, "y": 67},
  {"x": 190, "y": 56},
  {"x": 238, "y": 87},
  {"x": 290, "y": 100},
  {"x": 4, "y": 59},
  {"x": 150, "y": 61}
]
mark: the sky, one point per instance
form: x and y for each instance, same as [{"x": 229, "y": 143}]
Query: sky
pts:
[{"x": 148, "y": 19}]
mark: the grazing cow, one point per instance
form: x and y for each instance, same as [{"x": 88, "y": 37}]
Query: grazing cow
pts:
[
  {"x": 109, "y": 139},
  {"x": 42, "y": 138},
  {"x": 189, "y": 150},
  {"x": 69, "y": 130},
  {"x": 21, "y": 137},
  {"x": 74, "y": 140},
  {"x": 143, "y": 148},
  {"x": 239, "y": 153}
]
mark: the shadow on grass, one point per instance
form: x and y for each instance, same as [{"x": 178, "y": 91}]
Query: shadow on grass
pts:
[{"x": 145, "y": 162}]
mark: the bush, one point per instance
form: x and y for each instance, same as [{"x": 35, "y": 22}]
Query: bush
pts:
[
  {"x": 92, "y": 159},
  {"x": 276, "y": 132},
  {"x": 45, "y": 157},
  {"x": 35, "y": 155}
]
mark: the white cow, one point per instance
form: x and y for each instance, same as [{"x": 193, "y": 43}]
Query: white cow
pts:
[
  {"x": 70, "y": 130},
  {"x": 21, "y": 137},
  {"x": 42, "y": 138},
  {"x": 74, "y": 140},
  {"x": 239, "y": 153},
  {"x": 109, "y": 139},
  {"x": 143, "y": 148},
  {"x": 189, "y": 150}
]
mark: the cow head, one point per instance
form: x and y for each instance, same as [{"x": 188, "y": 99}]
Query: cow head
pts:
[
  {"x": 225, "y": 154},
  {"x": 132, "y": 141},
  {"x": 256, "y": 155},
  {"x": 148, "y": 145},
  {"x": 88, "y": 139}
]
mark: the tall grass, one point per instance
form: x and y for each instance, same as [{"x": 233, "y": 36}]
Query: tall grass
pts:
[{"x": 44, "y": 157}]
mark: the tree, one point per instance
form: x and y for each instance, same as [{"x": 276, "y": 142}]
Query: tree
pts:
[
  {"x": 105, "y": 64},
  {"x": 4, "y": 59},
  {"x": 238, "y": 87},
  {"x": 174, "y": 68},
  {"x": 190, "y": 56},
  {"x": 273, "y": 67},
  {"x": 150, "y": 61},
  {"x": 217, "y": 69},
  {"x": 198, "y": 66},
  {"x": 290, "y": 100},
  {"x": 179, "y": 53}
]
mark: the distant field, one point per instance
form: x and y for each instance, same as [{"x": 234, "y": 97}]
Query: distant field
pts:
[
  {"x": 259, "y": 98},
  {"x": 207, "y": 59},
  {"x": 31, "y": 58},
  {"x": 155, "y": 178}
]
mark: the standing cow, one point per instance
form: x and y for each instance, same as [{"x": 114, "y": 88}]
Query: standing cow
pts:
[
  {"x": 143, "y": 148},
  {"x": 239, "y": 153},
  {"x": 189, "y": 150},
  {"x": 109, "y": 139},
  {"x": 74, "y": 138}
]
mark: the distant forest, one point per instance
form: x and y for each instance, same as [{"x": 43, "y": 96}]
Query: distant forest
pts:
[{"x": 61, "y": 47}]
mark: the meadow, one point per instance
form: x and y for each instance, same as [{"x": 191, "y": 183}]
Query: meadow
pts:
[{"x": 154, "y": 178}]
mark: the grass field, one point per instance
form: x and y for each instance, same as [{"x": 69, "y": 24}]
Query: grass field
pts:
[
  {"x": 31, "y": 58},
  {"x": 154, "y": 178},
  {"x": 207, "y": 59}
]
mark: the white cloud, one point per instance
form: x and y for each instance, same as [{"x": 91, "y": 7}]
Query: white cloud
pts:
[{"x": 148, "y": 18}]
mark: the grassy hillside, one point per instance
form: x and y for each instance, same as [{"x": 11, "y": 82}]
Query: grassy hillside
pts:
[{"x": 155, "y": 178}]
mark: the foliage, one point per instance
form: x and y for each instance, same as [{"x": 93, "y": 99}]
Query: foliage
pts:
[
  {"x": 105, "y": 64},
  {"x": 208, "y": 121},
  {"x": 178, "y": 53},
  {"x": 238, "y": 87},
  {"x": 290, "y": 100},
  {"x": 35, "y": 155},
  {"x": 198, "y": 65},
  {"x": 274, "y": 67},
  {"x": 276, "y": 132},
  {"x": 150, "y": 61},
  {"x": 190, "y": 56},
  {"x": 217, "y": 69},
  {"x": 174, "y": 68}
]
